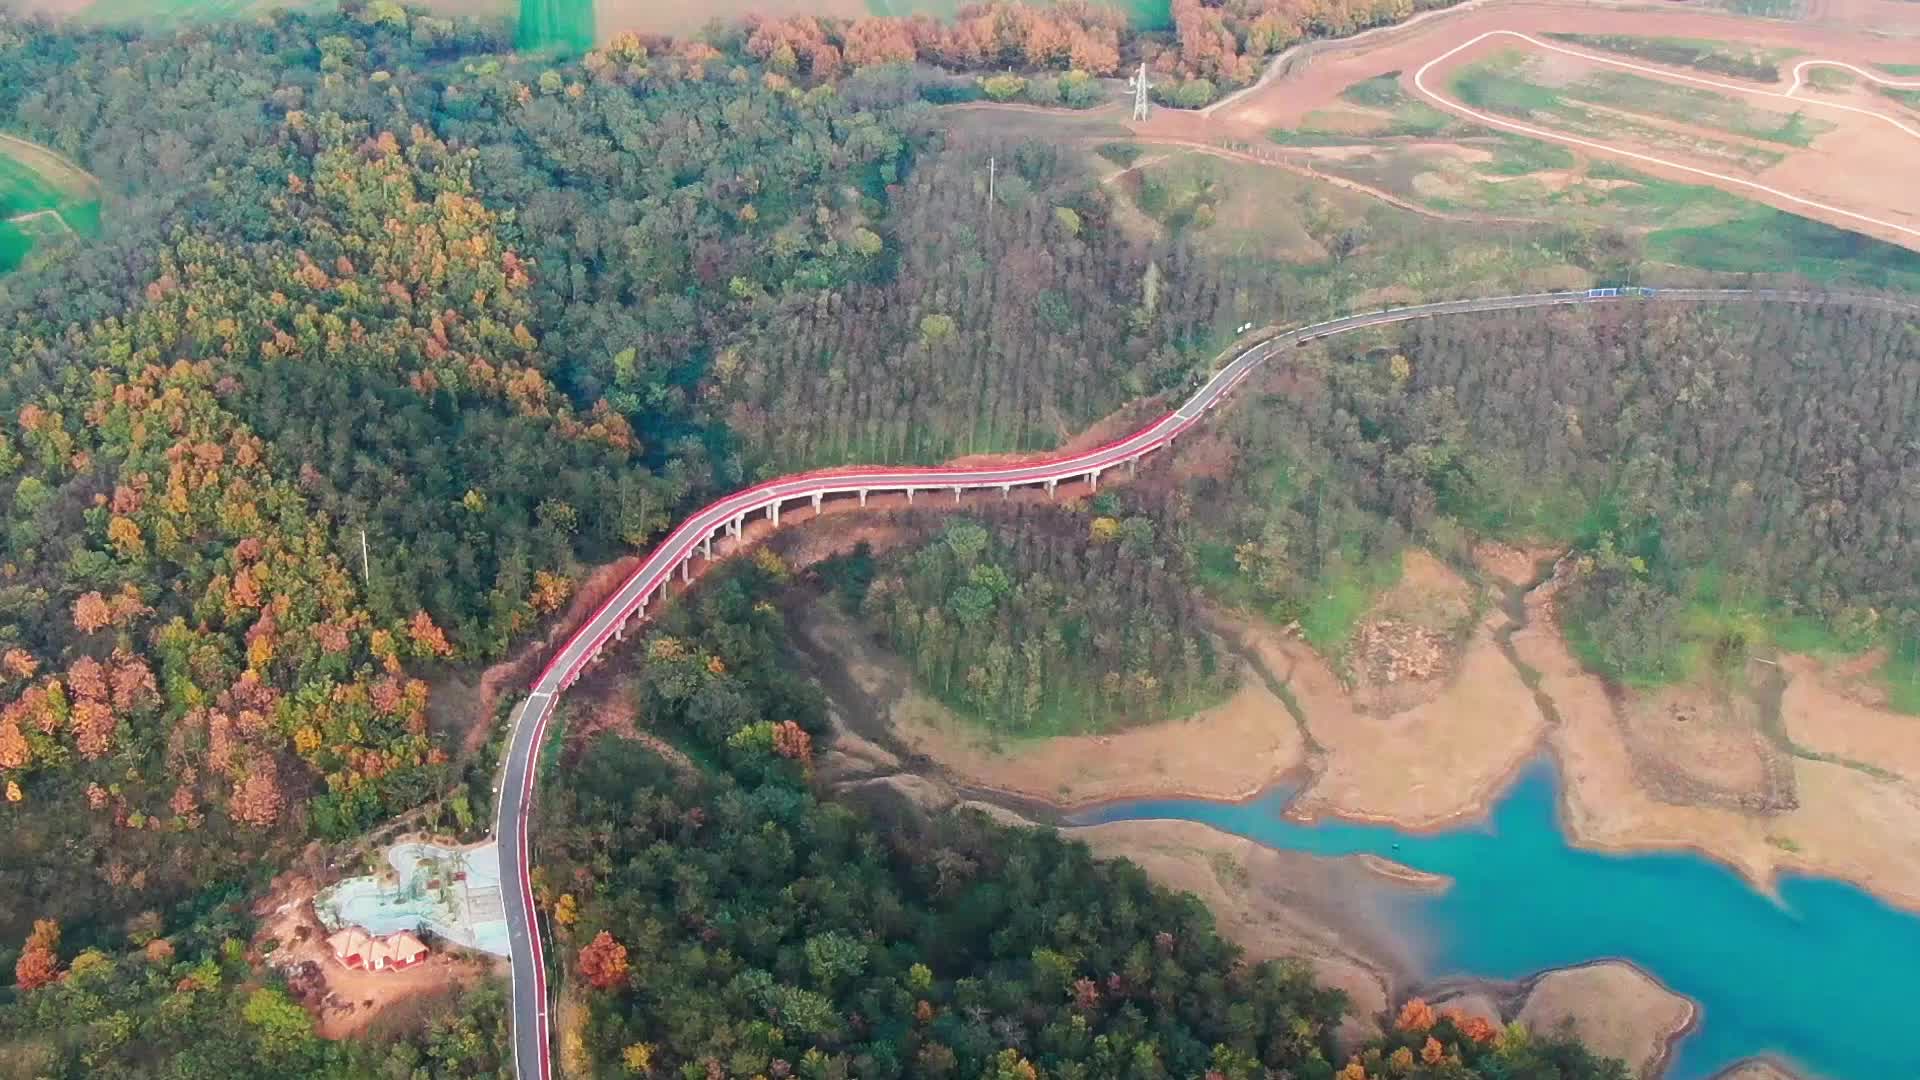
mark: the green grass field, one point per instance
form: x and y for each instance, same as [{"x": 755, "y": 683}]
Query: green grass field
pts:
[
  {"x": 1409, "y": 117},
  {"x": 24, "y": 190},
  {"x": 1687, "y": 105},
  {"x": 14, "y": 245},
  {"x": 1599, "y": 108},
  {"x": 37, "y": 205},
  {"x": 566, "y": 25},
  {"x": 1380, "y": 92},
  {"x": 176, "y": 11},
  {"x": 1518, "y": 156},
  {"x": 1768, "y": 9},
  {"x": 1765, "y": 240},
  {"x": 1719, "y": 57}
]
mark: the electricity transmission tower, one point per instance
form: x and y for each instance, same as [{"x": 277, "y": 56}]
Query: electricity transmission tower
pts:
[{"x": 1139, "y": 85}]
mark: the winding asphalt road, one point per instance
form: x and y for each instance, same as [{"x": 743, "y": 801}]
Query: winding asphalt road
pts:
[{"x": 694, "y": 538}]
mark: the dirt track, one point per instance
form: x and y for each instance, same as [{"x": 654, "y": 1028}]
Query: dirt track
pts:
[
  {"x": 1867, "y": 181},
  {"x": 1853, "y": 174},
  {"x": 55, "y": 167}
]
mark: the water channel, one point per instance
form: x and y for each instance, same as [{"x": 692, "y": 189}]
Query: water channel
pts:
[{"x": 1816, "y": 973}]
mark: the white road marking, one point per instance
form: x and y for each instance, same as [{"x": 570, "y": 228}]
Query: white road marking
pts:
[
  {"x": 1135, "y": 446},
  {"x": 1419, "y": 83},
  {"x": 1799, "y": 77}
]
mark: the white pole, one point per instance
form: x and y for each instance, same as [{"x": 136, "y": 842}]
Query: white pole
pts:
[{"x": 366, "y": 568}]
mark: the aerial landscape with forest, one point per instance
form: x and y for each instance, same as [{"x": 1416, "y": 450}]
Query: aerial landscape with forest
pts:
[{"x": 959, "y": 539}]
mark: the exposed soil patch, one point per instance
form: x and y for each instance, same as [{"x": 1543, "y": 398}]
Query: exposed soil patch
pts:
[
  {"x": 1702, "y": 745},
  {"x": 1315, "y": 76},
  {"x": 1612, "y": 1006},
  {"x": 512, "y": 675},
  {"x": 1277, "y": 904},
  {"x": 1390, "y": 652},
  {"x": 1762, "y": 1069},
  {"x": 342, "y": 1001},
  {"x": 1421, "y": 765},
  {"x": 1847, "y": 822},
  {"x": 1857, "y": 166},
  {"x": 1407, "y": 642},
  {"x": 1616, "y": 1009},
  {"x": 1824, "y": 710},
  {"x": 1230, "y": 751},
  {"x": 1517, "y": 567},
  {"x": 1437, "y": 719}
]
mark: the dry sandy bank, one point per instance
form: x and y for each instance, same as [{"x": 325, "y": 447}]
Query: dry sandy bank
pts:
[
  {"x": 1230, "y": 751},
  {"x": 1653, "y": 771},
  {"x": 1275, "y": 904},
  {"x": 1615, "y": 1008},
  {"x": 1762, "y": 1069}
]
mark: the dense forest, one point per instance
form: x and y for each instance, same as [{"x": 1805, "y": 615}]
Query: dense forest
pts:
[
  {"x": 190, "y": 1004},
  {"x": 1213, "y": 47},
  {"x": 1730, "y": 475},
  {"x": 1730, "y": 478},
  {"x": 390, "y": 331},
  {"x": 1047, "y": 622},
  {"x": 723, "y": 919}
]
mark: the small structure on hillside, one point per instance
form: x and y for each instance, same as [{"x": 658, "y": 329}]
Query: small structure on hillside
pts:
[
  {"x": 361, "y": 951},
  {"x": 453, "y": 892}
]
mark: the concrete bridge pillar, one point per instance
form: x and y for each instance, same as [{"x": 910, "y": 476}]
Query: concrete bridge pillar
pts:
[
  {"x": 863, "y": 496},
  {"x": 909, "y": 496},
  {"x": 734, "y": 525},
  {"x": 706, "y": 548},
  {"x": 1006, "y": 491},
  {"x": 817, "y": 496},
  {"x": 1131, "y": 463},
  {"x": 1093, "y": 480},
  {"x": 956, "y": 495},
  {"x": 1051, "y": 484},
  {"x": 773, "y": 514},
  {"x": 685, "y": 574}
]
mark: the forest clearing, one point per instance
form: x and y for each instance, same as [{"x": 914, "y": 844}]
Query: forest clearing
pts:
[
  {"x": 413, "y": 337},
  {"x": 1827, "y": 155},
  {"x": 42, "y": 196}
]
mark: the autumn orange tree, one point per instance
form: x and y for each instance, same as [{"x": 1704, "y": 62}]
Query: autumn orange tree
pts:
[
  {"x": 603, "y": 962},
  {"x": 210, "y": 663},
  {"x": 39, "y": 962}
]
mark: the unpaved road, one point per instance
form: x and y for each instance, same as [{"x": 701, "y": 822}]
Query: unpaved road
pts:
[
  {"x": 1812, "y": 207},
  {"x": 1851, "y": 179}
]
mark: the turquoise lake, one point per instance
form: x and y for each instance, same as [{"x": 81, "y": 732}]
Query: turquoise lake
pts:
[{"x": 1818, "y": 975}]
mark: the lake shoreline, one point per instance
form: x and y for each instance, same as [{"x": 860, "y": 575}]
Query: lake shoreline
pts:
[
  {"x": 877, "y": 696},
  {"x": 1768, "y": 884},
  {"x": 1689, "y": 926}
]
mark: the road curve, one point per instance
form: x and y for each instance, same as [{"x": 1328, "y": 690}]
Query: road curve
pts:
[
  {"x": 1452, "y": 106},
  {"x": 693, "y": 538},
  {"x": 1800, "y": 72}
]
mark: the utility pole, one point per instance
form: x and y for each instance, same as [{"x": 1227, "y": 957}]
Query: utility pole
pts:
[
  {"x": 992, "y": 165},
  {"x": 366, "y": 568},
  {"x": 1139, "y": 85}
]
